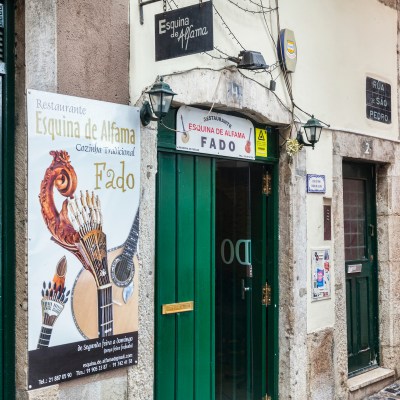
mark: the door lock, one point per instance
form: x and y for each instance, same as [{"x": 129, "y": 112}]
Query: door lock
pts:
[{"x": 244, "y": 290}]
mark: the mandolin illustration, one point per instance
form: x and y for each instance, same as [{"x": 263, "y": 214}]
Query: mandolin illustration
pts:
[
  {"x": 88, "y": 221},
  {"x": 53, "y": 301},
  {"x": 122, "y": 263}
]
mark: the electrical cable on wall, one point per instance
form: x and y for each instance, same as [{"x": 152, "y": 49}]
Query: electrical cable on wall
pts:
[
  {"x": 263, "y": 10},
  {"x": 266, "y": 12},
  {"x": 227, "y": 27},
  {"x": 172, "y": 1}
]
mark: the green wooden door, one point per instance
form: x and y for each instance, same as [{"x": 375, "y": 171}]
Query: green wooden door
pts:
[
  {"x": 211, "y": 249},
  {"x": 184, "y": 348},
  {"x": 361, "y": 266},
  {"x": 7, "y": 201}
]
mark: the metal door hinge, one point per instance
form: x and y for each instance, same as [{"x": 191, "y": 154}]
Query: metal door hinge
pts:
[
  {"x": 266, "y": 184},
  {"x": 266, "y": 295}
]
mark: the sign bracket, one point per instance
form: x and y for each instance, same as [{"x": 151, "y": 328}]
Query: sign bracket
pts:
[{"x": 141, "y": 5}]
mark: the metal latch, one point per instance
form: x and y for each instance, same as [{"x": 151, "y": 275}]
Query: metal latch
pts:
[
  {"x": 371, "y": 230},
  {"x": 266, "y": 295},
  {"x": 266, "y": 184},
  {"x": 266, "y": 397}
]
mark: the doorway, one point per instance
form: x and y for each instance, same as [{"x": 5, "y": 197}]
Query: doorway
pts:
[
  {"x": 361, "y": 266},
  {"x": 240, "y": 321},
  {"x": 212, "y": 247}
]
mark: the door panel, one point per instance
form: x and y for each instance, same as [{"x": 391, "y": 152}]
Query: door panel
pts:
[
  {"x": 361, "y": 266},
  {"x": 184, "y": 272}
]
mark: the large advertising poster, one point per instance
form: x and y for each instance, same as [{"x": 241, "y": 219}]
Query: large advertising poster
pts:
[{"x": 83, "y": 220}]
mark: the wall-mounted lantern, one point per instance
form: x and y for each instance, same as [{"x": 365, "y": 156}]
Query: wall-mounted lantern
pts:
[
  {"x": 161, "y": 97},
  {"x": 313, "y": 129},
  {"x": 251, "y": 60}
]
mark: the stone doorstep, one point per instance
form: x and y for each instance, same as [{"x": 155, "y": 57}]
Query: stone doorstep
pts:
[{"x": 375, "y": 380}]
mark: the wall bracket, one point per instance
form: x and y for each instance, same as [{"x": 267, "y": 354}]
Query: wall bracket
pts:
[{"x": 144, "y": 3}]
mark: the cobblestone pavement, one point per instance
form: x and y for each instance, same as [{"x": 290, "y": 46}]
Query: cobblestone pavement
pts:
[{"x": 391, "y": 392}]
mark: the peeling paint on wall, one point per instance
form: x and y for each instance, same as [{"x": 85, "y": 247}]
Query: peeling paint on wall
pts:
[{"x": 389, "y": 3}]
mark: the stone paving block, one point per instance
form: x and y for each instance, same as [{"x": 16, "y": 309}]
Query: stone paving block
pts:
[{"x": 391, "y": 392}]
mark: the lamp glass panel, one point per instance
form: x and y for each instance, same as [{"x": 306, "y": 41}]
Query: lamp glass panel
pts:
[
  {"x": 319, "y": 130},
  {"x": 166, "y": 104},
  {"x": 160, "y": 103},
  {"x": 156, "y": 102},
  {"x": 313, "y": 133},
  {"x": 310, "y": 133}
]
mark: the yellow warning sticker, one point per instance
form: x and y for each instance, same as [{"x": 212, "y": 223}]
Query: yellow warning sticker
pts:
[{"x": 261, "y": 142}]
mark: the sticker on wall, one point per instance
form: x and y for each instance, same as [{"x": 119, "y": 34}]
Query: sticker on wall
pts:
[
  {"x": 261, "y": 143},
  {"x": 83, "y": 220},
  {"x": 321, "y": 274}
]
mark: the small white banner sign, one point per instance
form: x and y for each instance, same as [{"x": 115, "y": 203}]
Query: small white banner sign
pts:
[
  {"x": 316, "y": 183},
  {"x": 201, "y": 131}
]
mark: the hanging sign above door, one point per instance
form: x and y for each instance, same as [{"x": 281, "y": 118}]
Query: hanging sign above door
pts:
[
  {"x": 184, "y": 31},
  {"x": 201, "y": 131}
]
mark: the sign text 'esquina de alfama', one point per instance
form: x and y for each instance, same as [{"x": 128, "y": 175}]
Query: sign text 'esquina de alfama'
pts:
[
  {"x": 184, "y": 31},
  {"x": 206, "y": 132}
]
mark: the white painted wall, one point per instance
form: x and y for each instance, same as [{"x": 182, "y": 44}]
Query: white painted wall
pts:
[
  {"x": 339, "y": 43},
  {"x": 321, "y": 313}
]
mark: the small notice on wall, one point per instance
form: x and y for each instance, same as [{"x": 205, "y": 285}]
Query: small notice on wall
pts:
[
  {"x": 83, "y": 219},
  {"x": 261, "y": 143},
  {"x": 321, "y": 274},
  {"x": 316, "y": 183}
]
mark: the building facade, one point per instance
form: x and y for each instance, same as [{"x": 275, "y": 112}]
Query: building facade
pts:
[{"x": 266, "y": 270}]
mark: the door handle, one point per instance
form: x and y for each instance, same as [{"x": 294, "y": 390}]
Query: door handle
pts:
[
  {"x": 371, "y": 230},
  {"x": 244, "y": 290}
]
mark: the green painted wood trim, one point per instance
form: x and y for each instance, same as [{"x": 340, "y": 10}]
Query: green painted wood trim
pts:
[
  {"x": 185, "y": 277},
  {"x": 375, "y": 266},
  {"x": 259, "y": 229},
  {"x": 212, "y": 327},
  {"x": 273, "y": 279},
  {"x": 165, "y": 346},
  {"x": 7, "y": 267},
  {"x": 204, "y": 273}
]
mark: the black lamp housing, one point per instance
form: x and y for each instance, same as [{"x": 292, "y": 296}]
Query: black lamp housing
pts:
[
  {"x": 161, "y": 97},
  {"x": 313, "y": 129},
  {"x": 250, "y": 60}
]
